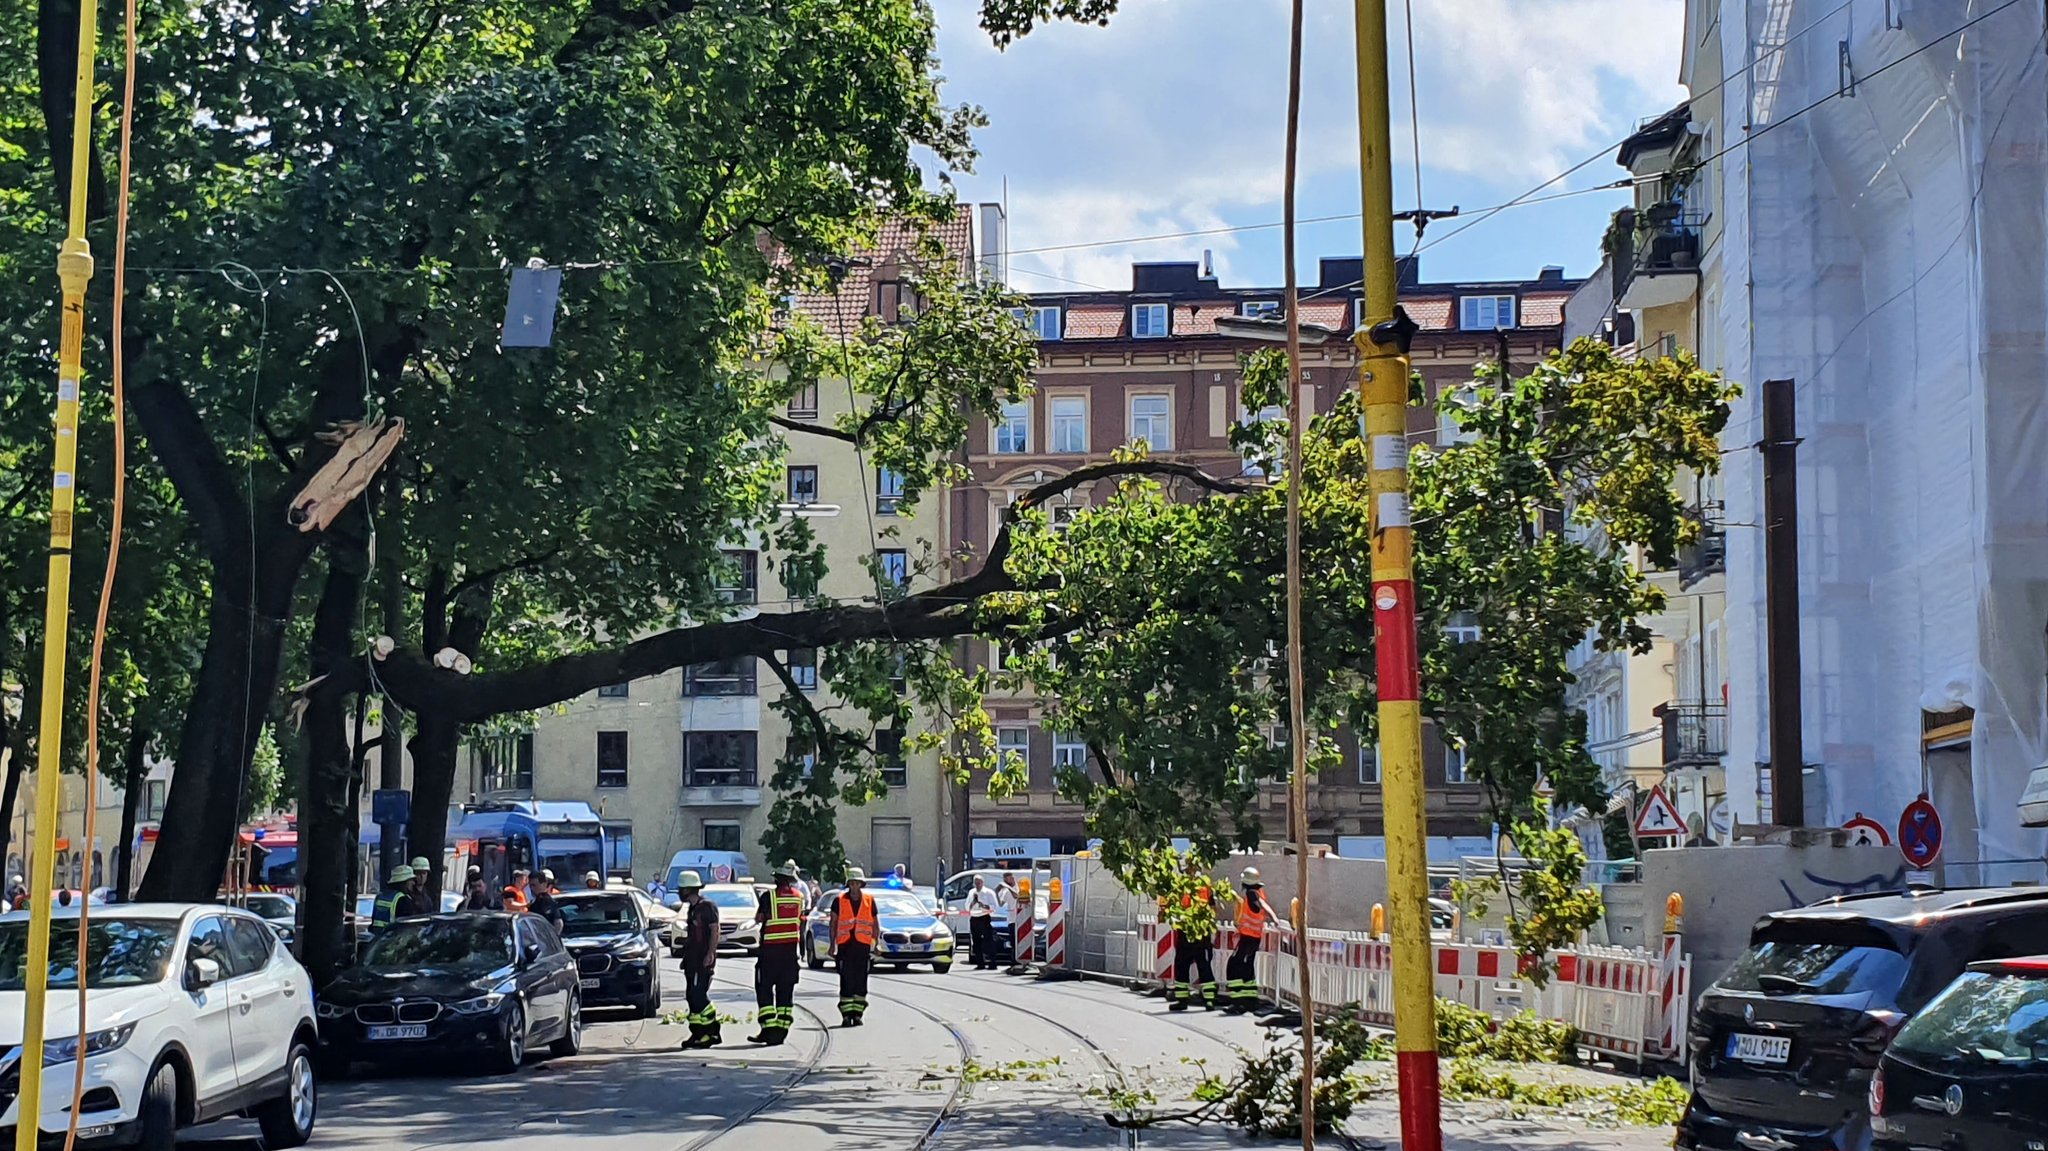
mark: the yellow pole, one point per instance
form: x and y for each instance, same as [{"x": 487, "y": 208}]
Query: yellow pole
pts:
[
  {"x": 1383, "y": 379},
  {"x": 74, "y": 271}
]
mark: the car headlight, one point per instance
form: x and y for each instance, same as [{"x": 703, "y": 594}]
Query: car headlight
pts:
[
  {"x": 96, "y": 1043},
  {"x": 637, "y": 949},
  {"x": 326, "y": 1010},
  {"x": 481, "y": 1005}
]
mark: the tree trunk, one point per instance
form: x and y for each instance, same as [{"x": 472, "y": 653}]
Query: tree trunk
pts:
[
  {"x": 325, "y": 819},
  {"x": 16, "y": 765},
  {"x": 134, "y": 773},
  {"x": 434, "y": 749}
]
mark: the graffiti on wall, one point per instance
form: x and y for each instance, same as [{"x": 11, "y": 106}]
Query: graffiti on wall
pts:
[{"x": 1831, "y": 888}]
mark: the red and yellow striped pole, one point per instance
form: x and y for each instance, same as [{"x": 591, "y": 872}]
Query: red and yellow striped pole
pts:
[{"x": 1383, "y": 378}]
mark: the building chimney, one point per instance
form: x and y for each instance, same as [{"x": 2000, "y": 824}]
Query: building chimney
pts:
[
  {"x": 1208, "y": 264},
  {"x": 1551, "y": 274},
  {"x": 993, "y": 240}
]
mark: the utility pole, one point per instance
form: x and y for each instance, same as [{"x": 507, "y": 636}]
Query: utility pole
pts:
[
  {"x": 1781, "y": 601},
  {"x": 1383, "y": 341},
  {"x": 74, "y": 272}
]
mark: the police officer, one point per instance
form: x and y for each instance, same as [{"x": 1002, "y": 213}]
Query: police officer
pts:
[
  {"x": 700, "y": 954},
  {"x": 854, "y": 930},
  {"x": 781, "y": 916},
  {"x": 395, "y": 901},
  {"x": 1242, "y": 971}
]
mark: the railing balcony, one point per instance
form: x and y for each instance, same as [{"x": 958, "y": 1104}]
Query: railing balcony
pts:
[
  {"x": 1655, "y": 255},
  {"x": 1706, "y": 555},
  {"x": 1695, "y": 732}
]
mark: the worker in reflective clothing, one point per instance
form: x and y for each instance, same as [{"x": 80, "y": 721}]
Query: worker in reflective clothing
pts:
[
  {"x": 854, "y": 930},
  {"x": 395, "y": 901},
  {"x": 701, "y": 934},
  {"x": 781, "y": 916},
  {"x": 1242, "y": 972},
  {"x": 519, "y": 892},
  {"x": 1191, "y": 959}
]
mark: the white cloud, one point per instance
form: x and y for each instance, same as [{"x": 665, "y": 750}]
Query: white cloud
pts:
[{"x": 1171, "y": 119}]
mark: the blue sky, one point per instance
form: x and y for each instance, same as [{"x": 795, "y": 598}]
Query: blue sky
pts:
[{"x": 1171, "y": 120}]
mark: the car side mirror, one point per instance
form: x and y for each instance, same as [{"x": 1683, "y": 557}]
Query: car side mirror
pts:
[
  {"x": 530, "y": 955},
  {"x": 202, "y": 973}
]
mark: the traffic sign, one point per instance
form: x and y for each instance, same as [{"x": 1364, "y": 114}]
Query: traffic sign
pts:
[
  {"x": 1659, "y": 818},
  {"x": 1920, "y": 833},
  {"x": 1867, "y": 832}
]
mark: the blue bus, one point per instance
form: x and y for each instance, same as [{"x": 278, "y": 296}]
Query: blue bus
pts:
[{"x": 505, "y": 835}]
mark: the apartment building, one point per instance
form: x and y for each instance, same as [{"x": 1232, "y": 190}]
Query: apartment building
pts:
[
  {"x": 1116, "y": 367},
  {"x": 684, "y": 760}
]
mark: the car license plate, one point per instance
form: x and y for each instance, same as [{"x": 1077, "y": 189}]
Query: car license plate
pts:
[
  {"x": 891, "y": 948},
  {"x": 399, "y": 1031},
  {"x": 1760, "y": 1048},
  {"x": 589, "y": 983}
]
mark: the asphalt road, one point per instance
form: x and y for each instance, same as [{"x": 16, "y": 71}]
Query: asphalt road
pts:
[{"x": 952, "y": 1062}]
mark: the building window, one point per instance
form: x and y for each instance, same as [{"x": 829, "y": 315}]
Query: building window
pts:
[
  {"x": 1454, "y": 764},
  {"x": 804, "y": 404},
  {"x": 1013, "y": 431},
  {"x": 796, "y": 749},
  {"x": 803, "y": 667},
  {"x": 1462, "y": 627},
  {"x": 803, "y": 484},
  {"x": 889, "y": 751},
  {"x": 615, "y": 691},
  {"x": 1069, "y": 750},
  {"x": 154, "y": 792},
  {"x": 1255, "y": 462},
  {"x": 739, "y": 577},
  {"x": 733, "y": 676},
  {"x": 1043, "y": 322},
  {"x": 721, "y": 837},
  {"x": 1358, "y": 314},
  {"x": 1069, "y": 424},
  {"x": 895, "y": 301},
  {"x": 1063, "y": 515},
  {"x": 611, "y": 759},
  {"x": 894, "y": 566},
  {"x": 506, "y": 762},
  {"x": 1150, "y": 321},
  {"x": 1152, "y": 421},
  {"x": 888, "y": 490},
  {"x": 1450, "y": 424},
  {"x": 1485, "y": 313},
  {"x": 1369, "y": 764},
  {"x": 1260, "y": 309},
  {"x": 721, "y": 758},
  {"x": 1013, "y": 743}
]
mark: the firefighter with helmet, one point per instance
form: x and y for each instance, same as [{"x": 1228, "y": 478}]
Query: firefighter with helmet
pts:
[
  {"x": 855, "y": 927},
  {"x": 1241, "y": 973},
  {"x": 781, "y": 916},
  {"x": 701, "y": 935}
]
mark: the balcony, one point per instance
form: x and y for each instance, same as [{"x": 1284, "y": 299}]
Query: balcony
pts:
[
  {"x": 1655, "y": 254},
  {"x": 1706, "y": 555},
  {"x": 725, "y": 677},
  {"x": 1695, "y": 732}
]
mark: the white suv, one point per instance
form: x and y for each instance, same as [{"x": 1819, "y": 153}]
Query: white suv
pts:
[{"x": 194, "y": 1013}]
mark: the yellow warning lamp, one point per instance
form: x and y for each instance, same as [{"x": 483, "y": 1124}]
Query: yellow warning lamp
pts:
[
  {"x": 1674, "y": 913},
  {"x": 1379, "y": 919}
]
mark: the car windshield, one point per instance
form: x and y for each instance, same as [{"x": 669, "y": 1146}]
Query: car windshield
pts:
[
  {"x": 1818, "y": 960},
  {"x": 1990, "y": 1018},
  {"x": 118, "y": 952},
  {"x": 470, "y": 941},
  {"x": 900, "y": 903},
  {"x": 586, "y": 915},
  {"x": 269, "y": 906},
  {"x": 731, "y": 899}
]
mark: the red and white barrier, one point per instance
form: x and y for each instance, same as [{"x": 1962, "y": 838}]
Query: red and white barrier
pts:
[{"x": 1055, "y": 934}]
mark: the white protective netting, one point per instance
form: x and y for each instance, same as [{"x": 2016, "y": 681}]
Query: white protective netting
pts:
[{"x": 1891, "y": 241}]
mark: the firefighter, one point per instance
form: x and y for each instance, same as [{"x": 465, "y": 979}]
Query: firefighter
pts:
[
  {"x": 518, "y": 893},
  {"x": 1242, "y": 971},
  {"x": 396, "y": 901},
  {"x": 1192, "y": 956},
  {"x": 700, "y": 954},
  {"x": 854, "y": 930},
  {"x": 781, "y": 916}
]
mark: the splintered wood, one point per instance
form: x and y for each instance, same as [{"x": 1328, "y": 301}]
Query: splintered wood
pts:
[{"x": 361, "y": 450}]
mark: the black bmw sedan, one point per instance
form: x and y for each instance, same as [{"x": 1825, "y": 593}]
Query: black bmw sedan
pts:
[
  {"x": 614, "y": 946},
  {"x": 467, "y": 986}
]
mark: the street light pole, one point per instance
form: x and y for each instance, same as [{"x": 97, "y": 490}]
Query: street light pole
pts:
[{"x": 1383, "y": 340}]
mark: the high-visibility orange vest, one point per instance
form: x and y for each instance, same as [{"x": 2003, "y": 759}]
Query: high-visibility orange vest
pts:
[
  {"x": 1251, "y": 921},
  {"x": 785, "y": 918},
  {"x": 515, "y": 899},
  {"x": 856, "y": 920}
]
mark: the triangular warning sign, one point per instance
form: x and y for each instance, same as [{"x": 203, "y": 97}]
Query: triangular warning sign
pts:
[{"x": 1658, "y": 817}]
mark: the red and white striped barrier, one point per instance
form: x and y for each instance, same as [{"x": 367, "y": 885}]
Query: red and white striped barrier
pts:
[{"x": 1055, "y": 934}]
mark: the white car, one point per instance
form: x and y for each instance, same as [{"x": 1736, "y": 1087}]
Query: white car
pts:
[
  {"x": 194, "y": 1013},
  {"x": 736, "y": 903}
]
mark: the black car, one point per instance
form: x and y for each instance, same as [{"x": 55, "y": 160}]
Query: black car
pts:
[
  {"x": 489, "y": 983},
  {"x": 1971, "y": 1070},
  {"x": 614, "y": 946},
  {"x": 1785, "y": 1043}
]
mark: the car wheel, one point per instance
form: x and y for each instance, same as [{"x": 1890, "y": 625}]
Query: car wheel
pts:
[
  {"x": 942, "y": 968},
  {"x": 817, "y": 964},
  {"x": 571, "y": 1042},
  {"x": 156, "y": 1117},
  {"x": 287, "y": 1121},
  {"x": 511, "y": 1050},
  {"x": 652, "y": 1007}
]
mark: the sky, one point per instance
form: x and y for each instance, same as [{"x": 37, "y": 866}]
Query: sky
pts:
[{"x": 1171, "y": 119}]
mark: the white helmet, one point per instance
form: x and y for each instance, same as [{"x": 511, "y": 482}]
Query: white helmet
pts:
[
  {"x": 688, "y": 880},
  {"x": 1251, "y": 878}
]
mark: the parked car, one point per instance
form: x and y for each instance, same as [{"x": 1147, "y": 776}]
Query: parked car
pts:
[
  {"x": 481, "y": 982},
  {"x": 366, "y": 907},
  {"x": 196, "y": 1013},
  {"x": 1785, "y": 1043},
  {"x": 614, "y": 946},
  {"x": 713, "y": 867},
  {"x": 280, "y": 911},
  {"x": 910, "y": 932},
  {"x": 737, "y": 930},
  {"x": 1971, "y": 1070},
  {"x": 953, "y": 908}
]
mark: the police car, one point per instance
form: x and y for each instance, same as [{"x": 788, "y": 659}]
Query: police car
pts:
[{"x": 911, "y": 933}]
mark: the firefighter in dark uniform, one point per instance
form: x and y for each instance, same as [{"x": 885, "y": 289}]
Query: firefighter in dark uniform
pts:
[
  {"x": 1242, "y": 972},
  {"x": 854, "y": 931},
  {"x": 1191, "y": 960},
  {"x": 701, "y": 934},
  {"x": 781, "y": 916}
]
